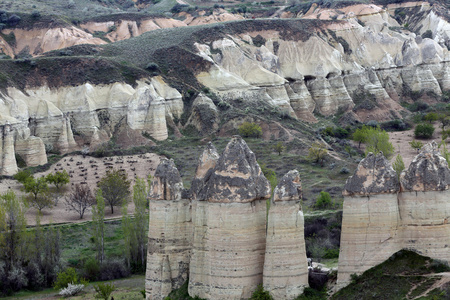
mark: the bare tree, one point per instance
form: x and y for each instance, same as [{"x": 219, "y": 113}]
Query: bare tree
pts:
[{"x": 79, "y": 199}]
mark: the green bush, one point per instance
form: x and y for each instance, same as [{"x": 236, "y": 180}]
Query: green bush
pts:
[
  {"x": 424, "y": 131},
  {"x": 261, "y": 294},
  {"x": 91, "y": 268},
  {"x": 248, "y": 129},
  {"x": 331, "y": 253},
  {"x": 324, "y": 200},
  {"x": 104, "y": 290},
  {"x": 68, "y": 276}
]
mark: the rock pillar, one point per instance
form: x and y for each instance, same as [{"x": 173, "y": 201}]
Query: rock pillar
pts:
[
  {"x": 370, "y": 218},
  {"x": 170, "y": 233},
  {"x": 229, "y": 227},
  {"x": 285, "y": 264}
]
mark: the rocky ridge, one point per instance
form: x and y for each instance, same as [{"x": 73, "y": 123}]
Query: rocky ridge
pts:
[{"x": 381, "y": 217}]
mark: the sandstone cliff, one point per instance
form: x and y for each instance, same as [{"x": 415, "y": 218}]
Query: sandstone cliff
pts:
[
  {"x": 382, "y": 215},
  {"x": 170, "y": 233},
  {"x": 229, "y": 227},
  {"x": 285, "y": 264},
  {"x": 44, "y": 116}
]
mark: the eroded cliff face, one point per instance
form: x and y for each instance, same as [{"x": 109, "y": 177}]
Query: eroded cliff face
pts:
[
  {"x": 43, "y": 116},
  {"x": 285, "y": 264},
  {"x": 222, "y": 238},
  {"x": 382, "y": 215},
  {"x": 170, "y": 233}
]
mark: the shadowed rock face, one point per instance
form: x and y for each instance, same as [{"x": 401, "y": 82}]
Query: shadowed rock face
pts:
[
  {"x": 237, "y": 176},
  {"x": 427, "y": 172},
  {"x": 289, "y": 188},
  {"x": 167, "y": 184},
  {"x": 374, "y": 175},
  {"x": 205, "y": 167}
]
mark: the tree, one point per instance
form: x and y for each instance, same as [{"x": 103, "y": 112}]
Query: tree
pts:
[
  {"x": 115, "y": 188},
  {"x": 98, "y": 226},
  {"x": 135, "y": 231},
  {"x": 278, "y": 148},
  {"x": 324, "y": 200},
  {"x": 39, "y": 196},
  {"x": 431, "y": 117},
  {"x": 59, "y": 180},
  {"x": 398, "y": 165},
  {"x": 424, "y": 131},
  {"x": 22, "y": 176},
  {"x": 378, "y": 141},
  {"x": 12, "y": 231},
  {"x": 80, "y": 199},
  {"x": 317, "y": 152},
  {"x": 360, "y": 135},
  {"x": 104, "y": 290},
  {"x": 248, "y": 129}
]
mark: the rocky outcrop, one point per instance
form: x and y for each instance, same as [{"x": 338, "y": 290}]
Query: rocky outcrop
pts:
[
  {"x": 204, "y": 115},
  {"x": 285, "y": 264},
  {"x": 226, "y": 229},
  {"x": 382, "y": 216},
  {"x": 8, "y": 161},
  {"x": 170, "y": 233},
  {"x": 229, "y": 227},
  {"x": 89, "y": 113}
]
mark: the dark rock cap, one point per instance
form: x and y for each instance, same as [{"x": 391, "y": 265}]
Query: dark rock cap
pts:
[
  {"x": 427, "y": 172},
  {"x": 289, "y": 188},
  {"x": 167, "y": 183},
  {"x": 374, "y": 175},
  {"x": 237, "y": 176},
  {"x": 206, "y": 163}
]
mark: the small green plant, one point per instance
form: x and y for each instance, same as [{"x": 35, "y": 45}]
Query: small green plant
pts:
[
  {"x": 398, "y": 165},
  {"x": 424, "y": 131},
  {"x": 68, "y": 276},
  {"x": 104, "y": 290},
  {"x": 278, "y": 147},
  {"x": 431, "y": 117},
  {"x": 317, "y": 153},
  {"x": 324, "y": 201},
  {"x": 416, "y": 144},
  {"x": 261, "y": 294},
  {"x": 248, "y": 129}
]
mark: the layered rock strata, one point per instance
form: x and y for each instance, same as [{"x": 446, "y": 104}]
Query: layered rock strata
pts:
[
  {"x": 53, "y": 117},
  {"x": 220, "y": 233},
  {"x": 383, "y": 215},
  {"x": 229, "y": 227},
  {"x": 285, "y": 264},
  {"x": 170, "y": 233}
]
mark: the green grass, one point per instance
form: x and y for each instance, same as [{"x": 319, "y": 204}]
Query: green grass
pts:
[{"x": 400, "y": 275}]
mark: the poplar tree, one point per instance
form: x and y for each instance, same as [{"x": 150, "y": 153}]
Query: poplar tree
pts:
[{"x": 98, "y": 224}]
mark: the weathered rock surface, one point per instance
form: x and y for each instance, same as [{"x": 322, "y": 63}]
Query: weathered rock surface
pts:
[
  {"x": 379, "y": 218},
  {"x": 285, "y": 265},
  {"x": 205, "y": 167},
  {"x": 229, "y": 227},
  {"x": 204, "y": 115},
  {"x": 237, "y": 177},
  {"x": 170, "y": 233},
  {"x": 8, "y": 159},
  {"x": 91, "y": 112}
]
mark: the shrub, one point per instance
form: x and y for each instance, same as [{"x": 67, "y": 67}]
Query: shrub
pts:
[
  {"x": 378, "y": 141},
  {"x": 71, "y": 290},
  {"x": 91, "y": 269},
  {"x": 248, "y": 129},
  {"x": 398, "y": 165},
  {"x": 324, "y": 200},
  {"x": 424, "y": 131},
  {"x": 416, "y": 144},
  {"x": 261, "y": 294},
  {"x": 344, "y": 170},
  {"x": 331, "y": 253},
  {"x": 317, "y": 153},
  {"x": 427, "y": 34},
  {"x": 113, "y": 270},
  {"x": 68, "y": 276},
  {"x": 104, "y": 290},
  {"x": 431, "y": 117}
]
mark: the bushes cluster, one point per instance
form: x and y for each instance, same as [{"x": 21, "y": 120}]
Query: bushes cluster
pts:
[
  {"x": 395, "y": 125},
  {"x": 337, "y": 132},
  {"x": 250, "y": 129},
  {"x": 424, "y": 131},
  {"x": 323, "y": 236}
]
